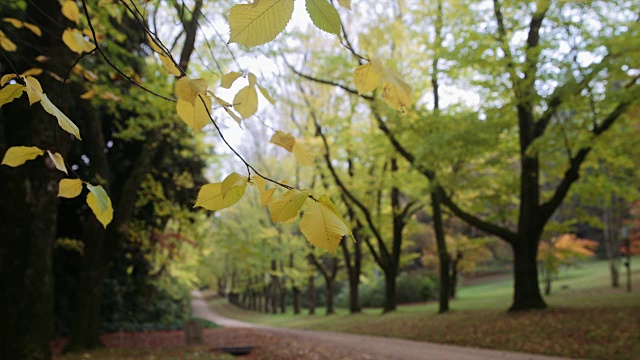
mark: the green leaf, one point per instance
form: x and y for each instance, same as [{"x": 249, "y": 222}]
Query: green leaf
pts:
[
  {"x": 246, "y": 101},
  {"x": 18, "y": 155},
  {"x": 69, "y": 188},
  {"x": 65, "y": 123},
  {"x": 101, "y": 196},
  {"x": 260, "y": 22},
  {"x": 323, "y": 226},
  {"x": 288, "y": 206},
  {"x": 324, "y": 16}
]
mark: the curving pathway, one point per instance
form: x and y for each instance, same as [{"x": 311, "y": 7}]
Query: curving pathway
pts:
[{"x": 372, "y": 347}]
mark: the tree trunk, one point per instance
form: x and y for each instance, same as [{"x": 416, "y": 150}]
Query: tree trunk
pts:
[
  {"x": 330, "y": 309},
  {"x": 453, "y": 281},
  {"x": 312, "y": 295},
  {"x": 390, "y": 275},
  {"x": 526, "y": 294},
  {"x": 28, "y": 210},
  {"x": 297, "y": 300},
  {"x": 443, "y": 254}
]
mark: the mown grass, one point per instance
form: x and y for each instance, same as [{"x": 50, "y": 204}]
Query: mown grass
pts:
[{"x": 586, "y": 318}]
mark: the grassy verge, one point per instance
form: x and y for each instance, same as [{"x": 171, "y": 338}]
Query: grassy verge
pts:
[{"x": 586, "y": 319}]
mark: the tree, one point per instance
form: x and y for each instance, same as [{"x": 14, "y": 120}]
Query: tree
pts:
[
  {"x": 511, "y": 87},
  {"x": 565, "y": 250}
]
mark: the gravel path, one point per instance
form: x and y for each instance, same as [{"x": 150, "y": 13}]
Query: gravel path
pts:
[{"x": 351, "y": 346}]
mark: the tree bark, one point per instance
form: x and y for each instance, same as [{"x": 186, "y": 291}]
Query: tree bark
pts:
[
  {"x": 312, "y": 295},
  {"x": 526, "y": 295},
  {"x": 28, "y": 210},
  {"x": 443, "y": 254},
  {"x": 390, "y": 276}
]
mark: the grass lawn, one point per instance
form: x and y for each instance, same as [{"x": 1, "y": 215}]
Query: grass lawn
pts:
[{"x": 586, "y": 318}]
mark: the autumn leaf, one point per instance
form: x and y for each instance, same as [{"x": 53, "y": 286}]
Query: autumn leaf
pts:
[
  {"x": 7, "y": 44},
  {"x": 69, "y": 188},
  {"x": 260, "y": 22},
  {"x": 89, "y": 94},
  {"x": 6, "y": 78},
  {"x": 10, "y": 93},
  {"x": 395, "y": 91},
  {"x": 195, "y": 116},
  {"x": 188, "y": 89},
  {"x": 288, "y": 206},
  {"x": 221, "y": 195},
  {"x": 70, "y": 11},
  {"x": 266, "y": 95},
  {"x": 100, "y": 203},
  {"x": 34, "y": 89},
  {"x": 259, "y": 182},
  {"x": 75, "y": 41},
  {"x": 345, "y": 4},
  {"x": 63, "y": 121},
  {"x": 228, "y": 79},
  {"x": 266, "y": 197},
  {"x": 283, "y": 139},
  {"x": 324, "y": 16},
  {"x": 367, "y": 77},
  {"x": 169, "y": 65},
  {"x": 32, "y": 72},
  {"x": 322, "y": 225},
  {"x": 18, "y": 155},
  {"x": 246, "y": 101},
  {"x": 20, "y": 24},
  {"x": 58, "y": 161}
]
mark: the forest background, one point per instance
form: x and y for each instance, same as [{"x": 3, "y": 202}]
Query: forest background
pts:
[{"x": 447, "y": 137}]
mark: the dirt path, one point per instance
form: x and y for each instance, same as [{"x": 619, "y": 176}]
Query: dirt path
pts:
[{"x": 351, "y": 346}]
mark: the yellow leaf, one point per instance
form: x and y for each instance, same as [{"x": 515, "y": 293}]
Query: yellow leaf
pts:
[
  {"x": 18, "y": 155},
  {"x": 252, "y": 79},
  {"x": 170, "y": 65},
  {"x": 34, "y": 90},
  {"x": 7, "y": 44},
  {"x": 89, "y": 94},
  {"x": 232, "y": 180},
  {"x": 10, "y": 93},
  {"x": 266, "y": 197},
  {"x": 58, "y": 161},
  {"x": 258, "y": 23},
  {"x": 75, "y": 41},
  {"x": 154, "y": 46},
  {"x": 15, "y": 22},
  {"x": 228, "y": 79},
  {"x": 283, "y": 139},
  {"x": 69, "y": 188},
  {"x": 367, "y": 76},
  {"x": 288, "y": 206},
  {"x": 395, "y": 91},
  {"x": 195, "y": 116},
  {"x": 323, "y": 226},
  {"x": 303, "y": 156},
  {"x": 211, "y": 196},
  {"x": 345, "y": 4},
  {"x": 102, "y": 208},
  {"x": 6, "y": 78},
  {"x": 65, "y": 123},
  {"x": 260, "y": 183},
  {"x": 33, "y": 28},
  {"x": 188, "y": 89},
  {"x": 70, "y": 11},
  {"x": 32, "y": 72},
  {"x": 90, "y": 75},
  {"x": 246, "y": 101},
  {"x": 101, "y": 196},
  {"x": 266, "y": 95},
  {"x": 42, "y": 59}
]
